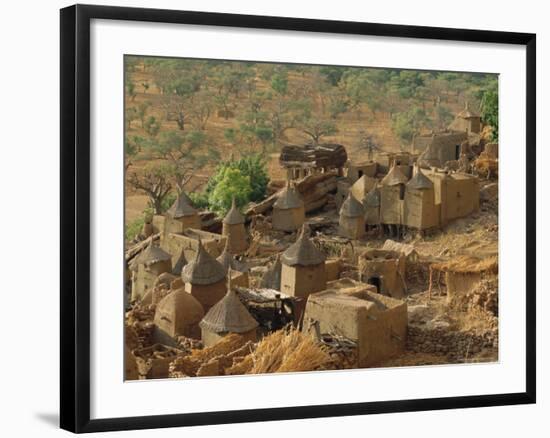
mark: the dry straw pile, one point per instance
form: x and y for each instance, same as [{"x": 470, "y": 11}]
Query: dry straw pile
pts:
[
  {"x": 287, "y": 351},
  {"x": 468, "y": 265}
]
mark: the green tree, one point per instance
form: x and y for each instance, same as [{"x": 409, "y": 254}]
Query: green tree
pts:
[
  {"x": 130, "y": 115},
  {"x": 315, "y": 125},
  {"x": 252, "y": 166},
  {"x": 489, "y": 110},
  {"x": 151, "y": 126},
  {"x": 185, "y": 153},
  {"x": 141, "y": 111},
  {"x": 407, "y": 124},
  {"x": 332, "y": 74},
  {"x": 232, "y": 184},
  {"x": 155, "y": 181},
  {"x": 131, "y": 149},
  {"x": 131, "y": 89},
  {"x": 279, "y": 83}
]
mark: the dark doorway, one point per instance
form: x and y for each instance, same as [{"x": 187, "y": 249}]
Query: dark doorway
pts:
[
  {"x": 375, "y": 281},
  {"x": 359, "y": 173},
  {"x": 457, "y": 152}
]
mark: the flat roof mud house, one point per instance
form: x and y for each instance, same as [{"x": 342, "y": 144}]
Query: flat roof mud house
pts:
[
  {"x": 356, "y": 170},
  {"x": 147, "y": 266},
  {"x": 288, "y": 210},
  {"x": 229, "y": 315},
  {"x": 439, "y": 148},
  {"x": 204, "y": 278},
  {"x": 456, "y": 193},
  {"x": 233, "y": 228},
  {"x": 385, "y": 270},
  {"x": 376, "y": 323},
  {"x": 301, "y": 161},
  {"x": 351, "y": 223},
  {"x": 303, "y": 267}
]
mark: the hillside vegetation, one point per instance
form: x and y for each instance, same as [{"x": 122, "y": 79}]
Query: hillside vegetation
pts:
[{"x": 183, "y": 117}]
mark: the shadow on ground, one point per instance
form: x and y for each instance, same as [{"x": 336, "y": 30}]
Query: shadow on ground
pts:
[{"x": 49, "y": 418}]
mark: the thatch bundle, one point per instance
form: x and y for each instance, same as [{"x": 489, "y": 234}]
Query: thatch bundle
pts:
[
  {"x": 230, "y": 346},
  {"x": 287, "y": 351}
]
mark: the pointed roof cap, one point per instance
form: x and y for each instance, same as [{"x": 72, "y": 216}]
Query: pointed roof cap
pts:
[
  {"x": 229, "y": 315},
  {"x": 373, "y": 198},
  {"x": 203, "y": 269},
  {"x": 303, "y": 252},
  {"x": 419, "y": 181},
  {"x": 233, "y": 216},
  {"x": 466, "y": 113},
  {"x": 352, "y": 207},
  {"x": 182, "y": 261},
  {"x": 394, "y": 177},
  {"x": 288, "y": 198},
  {"x": 181, "y": 207},
  {"x": 152, "y": 254},
  {"x": 228, "y": 260}
]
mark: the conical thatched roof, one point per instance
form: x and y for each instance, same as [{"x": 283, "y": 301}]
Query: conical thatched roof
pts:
[
  {"x": 152, "y": 254},
  {"x": 182, "y": 261},
  {"x": 372, "y": 199},
  {"x": 303, "y": 252},
  {"x": 233, "y": 216},
  {"x": 181, "y": 207},
  {"x": 182, "y": 305},
  {"x": 204, "y": 269},
  {"x": 352, "y": 207},
  {"x": 419, "y": 181},
  {"x": 289, "y": 198},
  {"x": 229, "y": 315},
  {"x": 272, "y": 277},
  {"x": 395, "y": 176},
  {"x": 228, "y": 261}
]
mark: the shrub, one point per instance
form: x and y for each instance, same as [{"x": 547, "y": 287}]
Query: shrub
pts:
[
  {"x": 232, "y": 184},
  {"x": 134, "y": 228}
]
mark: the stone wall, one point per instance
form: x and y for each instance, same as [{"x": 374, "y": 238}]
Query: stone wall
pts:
[{"x": 457, "y": 345}]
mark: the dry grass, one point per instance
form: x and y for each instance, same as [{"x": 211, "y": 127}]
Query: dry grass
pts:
[
  {"x": 468, "y": 265},
  {"x": 287, "y": 351},
  {"x": 224, "y": 346}
]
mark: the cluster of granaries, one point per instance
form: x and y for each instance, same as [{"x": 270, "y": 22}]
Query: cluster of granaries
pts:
[
  {"x": 200, "y": 299},
  {"x": 403, "y": 197},
  {"x": 407, "y": 197}
]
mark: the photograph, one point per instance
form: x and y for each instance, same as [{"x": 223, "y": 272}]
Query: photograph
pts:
[{"x": 286, "y": 217}]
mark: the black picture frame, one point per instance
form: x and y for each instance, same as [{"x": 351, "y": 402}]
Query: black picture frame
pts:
[{"x": 75, "y": 217}]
